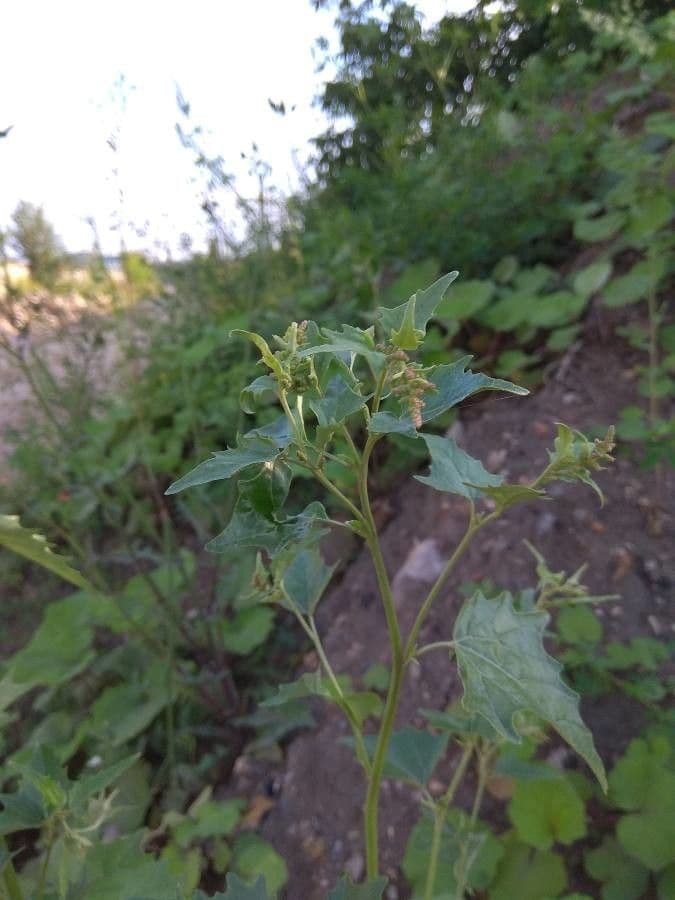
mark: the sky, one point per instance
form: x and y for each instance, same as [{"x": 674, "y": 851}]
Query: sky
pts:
[{"x": 60, "y": 70}]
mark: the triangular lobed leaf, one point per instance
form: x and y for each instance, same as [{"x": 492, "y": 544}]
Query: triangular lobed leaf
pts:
[
  {"x": 454, "y": 471},
  {"x": 305, "y": 580},
  {"x": 423, "y": 304},
  {"x": 505, "y": 669}
]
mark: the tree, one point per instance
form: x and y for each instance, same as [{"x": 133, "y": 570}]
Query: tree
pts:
[{"x": 35, "y": 239}]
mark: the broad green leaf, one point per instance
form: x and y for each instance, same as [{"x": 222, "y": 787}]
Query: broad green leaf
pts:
[
  {"x": 120, "y": 869},
  {"x": 534, "y": 280},
  {"x": 454, "y": 471},
  {"x": 305, "y": 580},
  {"x": 556, "y": 309},
  {"x": 600, "y": 228},
  {"x": 252, "y": 857},
  {"x": 589, "y": 280},
  {"x": 455, "y": 383},
  {"x": 345, "y": 889},
  {"x": 21, "y": 810},
  {"x": 247, "y": 528},
  {"x": 123, "y": 711},
  {"x": 466, "y": 300},
  {"x": 579, "y": 625},
  {"x": 546, "y": 812},
  {"x": 338, "y": 403},
  {"x": 418, "y": 310},
  {"x": 414, "y": 754},
  {"x": 666, "y": 884},
  {"x": 627, "y": 289},
  {"x": 34, "y": 546},
  {"x": 622, "y": 878},
  {"x": 407, "y": 337},
  {"x": 60, "y": 648},
  {"x": 505, "y": 669},
  {"x": 267, "y": 491},
  {"x": 376, "y": 677},
  {"x": 247, "y": 630},
  {"x": 226, "y": 463},
  {"x": 527, "y": 874},
  {"x": 648, "y": 217},
  {"x": 252, "y": 395}
]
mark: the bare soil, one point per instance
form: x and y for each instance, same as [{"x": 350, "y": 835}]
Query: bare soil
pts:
[{"x": 315, "y": 822}]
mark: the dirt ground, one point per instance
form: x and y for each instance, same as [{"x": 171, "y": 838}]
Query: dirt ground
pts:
[{"x": 316, "y": 818}]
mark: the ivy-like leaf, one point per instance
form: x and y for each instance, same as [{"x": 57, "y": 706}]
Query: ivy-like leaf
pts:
[
  {"x": 226, "y": 463},
  {"x": 623, "y": 878},
  {"x": 418, "y": 310},
  {"x": 305, "y": 580},
  {"x": 454, "y": 471},
  {"x": 505, "y": 669},
  {"x": 34, "y": 546},
  {"x": 527, "y": 875},
  {"x": 345, "y": 889},
  {"x": 547, "y": 811}
]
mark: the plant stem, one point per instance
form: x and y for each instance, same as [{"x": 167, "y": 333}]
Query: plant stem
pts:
[
  {"x": 10, "y": 878},
  {"x": 440, "y": 815},
  {"x": 475, "y": 524},
  {"x": 485, "y": 755},
  {"x": 437, "y": 645}
]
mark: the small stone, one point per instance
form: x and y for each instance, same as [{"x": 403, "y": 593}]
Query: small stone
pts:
[
  {"x": 436, "y": 787},
  {"x": 545, "y": 524},
  {"x": 392, "y": 892},
  {"x": 655, "y": 625},
  {"x": 391, "y": 832},
  {"x": 337, "y": 850}
]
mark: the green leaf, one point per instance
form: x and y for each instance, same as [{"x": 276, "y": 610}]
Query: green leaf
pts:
[
  {"x": 546, "y": 812},
  {"x": 311, "y": 684},
  {"x": 648, "y": 217},
  {"x": 666, "y": 884},
  {"x": 457, "y": 721},
  {"x": 481, "y": 848},
  {"x": 623, "y": 878},
  {"x": 351, "y": 340},
  {"x": 376, "y": 677},
  {"x": 247, "y": 528},
  {"x": 345, "y": 889},
  {"x": 338, "y": 403},
  {"x": 527, "y": 874},
  {"x": 387, "y": 423},
  {"x": 466, "y": 300},
  {"x": 34, "y": 546},
  {"x": 628, "y": 289},
  {"x": 454, "y": 471},
  {"x": 251, "y": 396},
  {"x": 589, "y": 280},
  {"x": 247, "y": 630},
  {"x": 505, "y": 670},
  {"x": 600, "y": 228},
  {"x": 23, "y": 809},
  {"x": 225, "y": 463},
  {"x": 507, "y": 495},
  {"x": 119, "y": 869},
  {"x": 252, "y": 857},
  {"x": 414, "y": 754},
  {"x": 414, "y": 315},
  {"x": 455, "y": 383},
  {"x": 505, "y": 270},
  {"x": 236, "y": 889},
  {"x": 88, "y": 786},
  {"x": 123, "y": 711},
  {"x": 305, "y": 580},
  {"x": 579, "y": 625},
  {"x": 209, "y": 820},
  {"x": 266, "y": 354}
]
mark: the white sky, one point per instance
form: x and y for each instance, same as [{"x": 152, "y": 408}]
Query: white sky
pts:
[{"x": 59, "y": 63}]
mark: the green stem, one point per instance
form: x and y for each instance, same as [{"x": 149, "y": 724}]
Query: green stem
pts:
[
  {"x": 484, "y": 759},
  {"x": 440, "y": 815},
  {"x": 437, "y": 645},
  {"x": 475, "y": 524},
  {"x": 10, "y": 877}
]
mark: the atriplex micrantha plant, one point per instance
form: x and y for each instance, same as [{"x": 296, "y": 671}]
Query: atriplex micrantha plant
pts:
[{"x": 334, "y": 387}]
